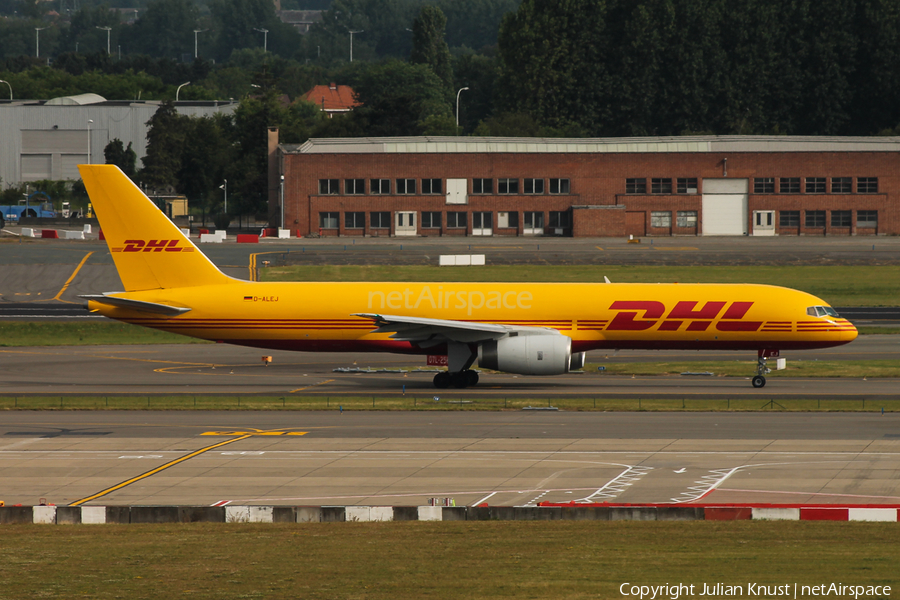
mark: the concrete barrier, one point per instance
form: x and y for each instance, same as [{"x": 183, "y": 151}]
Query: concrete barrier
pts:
[
  {"x": 454, "y": 513},
  {"x": 633, "y": 513},
  {"x": 74, "y": 235},
  {"x": 222, "y": 233},
  {"x": 49, "y": 234},
  {"x": 679, "y": 513},
  {"x": 68, "y": 515},
  {"x": 154, "y": 514},
  {"x": 429, "y": 513},
  {"x": 27, "y": 232},
  {"x": 365, "y": 514},
  {"x": 87, "y": 228},
  {"x": 776, "y": 514},
  {"x": 201, "y": 514},
  {"x": 460, "y": 260},
  {"x": 728, "y": 513},
  {"x": 115, "y": 514},
  {"x": 16, "y": 515},
  {"x": 284, "y": 234},
  {"x": 584, "y": 513},
  {"x": 210, "y": 238},
  {"x": 94, "y": 515},
  {"x": 247, "y": 238},
  {"x": 409, "y": 513},
  {"x": 872, "y": 514},
  {"x": 309, "y": 514},
  {"x": 248, "y": 514},
  {"x": 333, "y": 514},
  {"x": 43, "y": 515},
  {"x": 284, "y": 514},
  {"x": 824, "y": 514}
]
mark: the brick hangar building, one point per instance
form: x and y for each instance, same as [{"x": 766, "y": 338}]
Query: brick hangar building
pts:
[{"x": 700, "y": 185}]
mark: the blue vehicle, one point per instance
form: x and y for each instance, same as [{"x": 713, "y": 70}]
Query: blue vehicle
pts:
[{"x": 28, "y": 208}]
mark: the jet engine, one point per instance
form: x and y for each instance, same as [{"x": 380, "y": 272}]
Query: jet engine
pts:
[{"x": 535, "y": 354}]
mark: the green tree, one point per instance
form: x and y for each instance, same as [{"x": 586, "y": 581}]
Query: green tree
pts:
[
  {"x": 166, "y": 29},
  {"x": 429, "y": 47},
  {"x": 117, "y": 154},
  {"x": 165, "y": 137}
]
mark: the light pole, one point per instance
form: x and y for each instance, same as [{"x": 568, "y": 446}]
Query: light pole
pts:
[
  {"x": 37, "y": 40},
  {"x": 196, "y": 31},
  {"x": 461, "y": 90},
  {"x": 178, "y": 91},
  {"x": 10, "y": 88},
  {"x": 265, "y": 33},
  {"x": 107, "y": 30},
  {"x": 351, "y": 42},
  {"x": 89, "y": 141},
  {"x": 224, "y": 186}
]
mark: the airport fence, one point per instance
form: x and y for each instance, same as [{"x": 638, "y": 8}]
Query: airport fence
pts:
[{"x": 447, "y": 403}]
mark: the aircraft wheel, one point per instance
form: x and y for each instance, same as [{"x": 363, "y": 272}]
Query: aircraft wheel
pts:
[
  {"x": 759, "y": 381},
  {"x": 442, "y": 380},
  {"x": 459, "y": 380},
  {"x": 471, "y": 378}
]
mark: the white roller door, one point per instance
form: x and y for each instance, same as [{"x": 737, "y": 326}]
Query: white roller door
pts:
[
  {"x": 37, "y": 166},
  {"x": 725, "y": 206}
]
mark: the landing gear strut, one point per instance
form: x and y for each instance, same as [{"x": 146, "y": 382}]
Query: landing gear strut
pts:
[
  {"x": 761, "y": 367},
  {"x": 458, "y": 374}
]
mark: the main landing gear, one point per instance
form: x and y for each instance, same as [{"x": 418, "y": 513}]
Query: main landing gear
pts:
[
  {"x": 460, "y": 379},
  {"x": 458, "y": 374},
  {"x": 761, "y": 367}
]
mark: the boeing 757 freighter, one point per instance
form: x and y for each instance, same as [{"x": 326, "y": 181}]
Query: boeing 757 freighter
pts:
[{"x": 524, "y": 328}]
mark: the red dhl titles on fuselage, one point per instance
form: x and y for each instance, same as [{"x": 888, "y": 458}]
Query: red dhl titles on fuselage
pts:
[{"x": 152, "y": 246}]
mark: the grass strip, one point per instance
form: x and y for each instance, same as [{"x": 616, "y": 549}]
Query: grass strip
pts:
[
  {"x": 56, "y": 333},
  {"x": 413, "y": 560},
  {"x": 441, "y": 401},
  {"x": 837, "y": 285},
  {"x": 747, "y": 368}
]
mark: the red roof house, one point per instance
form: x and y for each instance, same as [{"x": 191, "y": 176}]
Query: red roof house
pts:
[{"x": 333, "y": 98}]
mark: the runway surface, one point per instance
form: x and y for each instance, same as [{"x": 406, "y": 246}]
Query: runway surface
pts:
[
  {"x": 223, "y": 369},
  {"x": 403, "y": 458}
]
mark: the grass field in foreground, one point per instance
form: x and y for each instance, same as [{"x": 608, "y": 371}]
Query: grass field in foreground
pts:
[
  {"x": 61, "y": 333},
  {"x": 446, "y": 400},
  {"x": 837, "y": 285},
  {"x": 451, "y": 560}
]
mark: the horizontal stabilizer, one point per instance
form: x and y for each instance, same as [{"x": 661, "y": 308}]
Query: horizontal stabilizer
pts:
[{"x": 150, "y": 307}]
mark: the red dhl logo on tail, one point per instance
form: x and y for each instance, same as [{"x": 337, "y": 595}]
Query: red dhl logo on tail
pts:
[
  {"x": 152, "y": 246},
  {"x": 699, "y": 318}
]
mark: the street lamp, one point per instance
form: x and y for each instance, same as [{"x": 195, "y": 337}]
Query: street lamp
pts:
[
  {"x": 196, "y": 31},
  {"x": 178, "y": 91},
  {"x": 461, "y": 90},
  {"x": 107, "y": 30},
  {"x": 265, "y": 33},
  {"x": 224, "y": 186},
  {"x": 351, "y": 42},
  {"x": 37, "y": 40},
  {"x": 10, "y": 88},
  {"x": 89, "y": 141}
]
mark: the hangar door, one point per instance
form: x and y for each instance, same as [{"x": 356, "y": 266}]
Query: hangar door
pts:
[{"x": 725, "y": 206}]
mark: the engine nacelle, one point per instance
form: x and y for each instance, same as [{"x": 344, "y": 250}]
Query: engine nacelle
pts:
[
  {"x": 577, "y": 361},
  {"x": 539, "y": 354}
]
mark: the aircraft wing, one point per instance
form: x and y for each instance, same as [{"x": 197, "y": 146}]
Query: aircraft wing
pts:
[{"x": 430, "y": 332}]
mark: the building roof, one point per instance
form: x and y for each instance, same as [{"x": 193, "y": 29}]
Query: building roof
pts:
[
  {"x": 333, "y": 97},
  {"x": 80, "y": 99},
  {"x": 702, "y": 143}
]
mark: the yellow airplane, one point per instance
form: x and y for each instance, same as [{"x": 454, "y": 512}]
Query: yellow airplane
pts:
[{"x": 524, "y": 328}]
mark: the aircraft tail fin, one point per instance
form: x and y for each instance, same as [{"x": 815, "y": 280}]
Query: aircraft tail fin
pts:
[{"x": 149, "y": 251}]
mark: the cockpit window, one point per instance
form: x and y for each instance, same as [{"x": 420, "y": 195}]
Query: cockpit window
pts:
[{"x": 821, "y": 311}]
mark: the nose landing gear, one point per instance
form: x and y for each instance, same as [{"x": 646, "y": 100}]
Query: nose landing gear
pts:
[{"x": 762, "y": 368}]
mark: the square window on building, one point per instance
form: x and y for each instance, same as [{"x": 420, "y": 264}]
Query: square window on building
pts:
[
  {"x": 354, "y": 186},
  {"x": 354, "y": 220},
  {"x": 815, "y": 185},
  {"x": 815, "y": 218},
  {"x": 328, "y": 220},
  {"x": 560, "y": 219},
  {"x": 456, "y": 220},
  {"x": 789, "y": 185},
  {"x": 380, "y": 220},
  {"x": 534, "y": 186},
  {"x": 661, "y": 185},
  {"x": 789, "y": 218},
  {"x": 507, "y": 186},
  {"x": 866, "y": 185},
  {"x": 661, "y": 218},
  {"x": 686, "y": 185},
  {"x": 867, "y": 218},
  {"x": 431, "y": 186},
  {"x": 841, "y": 185},
  {"x": 763, "y": 185},
  {"x": 406, "y": 186},
  {"x": 686, "y": 218},
  {"x": 482, "y": 186},
  {"x": 431, "y": 220},
  {"x": 328, "y": 186},
  {"x": 380, "y": 186},
  {"x": 841, "y": 218},
  {"x": 508, "y": 220},
  {"x": 559, "y": 186},
  {"x": 636, "y": 186}
]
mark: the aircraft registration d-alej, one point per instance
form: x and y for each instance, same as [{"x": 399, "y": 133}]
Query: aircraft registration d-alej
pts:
[{"x": 524, "y": 328}]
